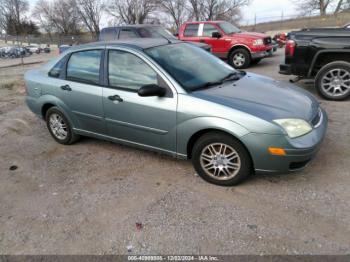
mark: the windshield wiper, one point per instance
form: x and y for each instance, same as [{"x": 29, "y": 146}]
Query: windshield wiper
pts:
[
  {"x": 231, "y": 77},
  {"x": 207, "y": 85}
]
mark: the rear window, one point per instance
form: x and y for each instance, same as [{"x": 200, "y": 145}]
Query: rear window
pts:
[
  {"x": 191, "y": 30},
  {"x": 127, "y": 33},
  {"x": 84, "y": 66},
  {"x": 108, "y": 34}
]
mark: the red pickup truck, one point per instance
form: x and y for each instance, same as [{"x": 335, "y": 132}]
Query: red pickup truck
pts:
[{"x": 241, "y": 49}]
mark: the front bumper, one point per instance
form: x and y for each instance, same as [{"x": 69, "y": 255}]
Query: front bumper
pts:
[{"x": 299, "y": 151}]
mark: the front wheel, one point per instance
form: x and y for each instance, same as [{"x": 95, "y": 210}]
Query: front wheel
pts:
[
  {"x": 239, "y": 58},
  {"x": 333, "y": 81},
  {"x": 221, "y": 159}
]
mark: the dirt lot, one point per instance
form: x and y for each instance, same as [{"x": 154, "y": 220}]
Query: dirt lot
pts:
[{"x": 86, "y": 198}]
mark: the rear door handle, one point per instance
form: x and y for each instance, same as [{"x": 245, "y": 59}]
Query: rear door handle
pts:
[
  {"x": 115, "y": 98},
  {"x": 66, "y": 88}
]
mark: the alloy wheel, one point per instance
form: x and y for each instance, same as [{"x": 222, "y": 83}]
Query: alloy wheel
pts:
[
  {"x": 58, "y": 126},
  {"x": 220, "y": 161},
  {"x": 336, "y": 82}
]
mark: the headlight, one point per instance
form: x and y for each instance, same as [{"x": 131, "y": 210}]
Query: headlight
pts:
[
  {"x": 294, "y": 127},
  {"x": 258, "y": 42}
]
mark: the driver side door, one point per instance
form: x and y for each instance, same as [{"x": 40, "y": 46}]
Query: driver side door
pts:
[{"x": 144, "y": 121}]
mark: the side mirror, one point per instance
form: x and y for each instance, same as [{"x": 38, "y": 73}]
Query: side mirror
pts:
[
  {"x": 215, "y": 35},
  {"x": 151, "y": 90}
]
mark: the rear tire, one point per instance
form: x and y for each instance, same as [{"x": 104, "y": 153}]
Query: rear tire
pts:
[
  {"x": 221, "y": 159},
  {"x": 59, "y": 127},
  {"x": 239, "y": 58},
  {"x": 332, "y": 82}
]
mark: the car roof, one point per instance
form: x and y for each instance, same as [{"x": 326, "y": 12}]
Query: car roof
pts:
[
  {"x": 136, "y": 43},
  {"x": 205, "y": 22},
  {"x": 133, "y": 26}
]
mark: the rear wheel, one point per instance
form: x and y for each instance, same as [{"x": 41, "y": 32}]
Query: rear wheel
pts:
[
  {"x": 220, "y": 159},
  {"x": 239, "y": 58},
  {"x": 59, "y": 127},
  {"x": 333, "y": 81}
]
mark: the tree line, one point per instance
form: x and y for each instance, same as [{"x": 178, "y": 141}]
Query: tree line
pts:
[
  {"x": 69, "y": 17},
  {"x": 322, "y": 7}
]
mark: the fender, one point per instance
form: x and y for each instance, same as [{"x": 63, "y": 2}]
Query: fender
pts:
[
  {"x": 188, "y": 128},
  {"x": 49, "y": 99},
  {"x": 243, "y": 45},
  {"x": 324, "y": 52}
]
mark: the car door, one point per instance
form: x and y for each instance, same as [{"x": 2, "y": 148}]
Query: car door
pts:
[
  {"x": 219, "y": 45},
  {"x": 82, "y": 89},
  {"x": 144, "y": 121},
  {"x": 191, "y": 33}
]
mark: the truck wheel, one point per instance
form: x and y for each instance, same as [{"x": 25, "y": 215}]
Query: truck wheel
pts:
[
  {"x": 220, "y": 159},
  {"x": 59, "y": 127},
  {"x": 333, "y": 81},
  {"x": 239, "y": 58}
]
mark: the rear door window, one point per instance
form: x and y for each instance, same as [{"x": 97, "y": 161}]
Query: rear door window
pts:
[
  {"x": 84, "y": 66},
  {"x": 191, "y": 30}
]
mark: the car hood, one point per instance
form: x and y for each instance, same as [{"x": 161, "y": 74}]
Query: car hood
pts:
[
  {"x": 252, "y": 35},
  {"x": 263, "y": 97}
]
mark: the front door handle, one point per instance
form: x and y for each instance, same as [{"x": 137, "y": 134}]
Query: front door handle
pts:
[
  {"x": 115, "y": 98},
  {"x": 202, "y": 41},
  {"x": 66, "y": 88}
]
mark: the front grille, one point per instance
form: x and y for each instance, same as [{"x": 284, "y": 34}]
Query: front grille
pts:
[
  {"x": 316, "y": 121},
  {"x": 267, "y": 41}
]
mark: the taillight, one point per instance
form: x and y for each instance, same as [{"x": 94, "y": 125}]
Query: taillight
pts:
[{"x": 290, "y": 48}]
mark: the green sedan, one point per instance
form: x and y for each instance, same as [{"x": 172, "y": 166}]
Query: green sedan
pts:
[{"x": 174, "y": 98}]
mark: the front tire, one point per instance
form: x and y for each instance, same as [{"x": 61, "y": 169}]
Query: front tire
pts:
[
  {"x": 221, "y": 159},
  {"x": 59, "y": 127},
  {"x": 333, "y": 81},
  {"x": 239, "y": 58}
]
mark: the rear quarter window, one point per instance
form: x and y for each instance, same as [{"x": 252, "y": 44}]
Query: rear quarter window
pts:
[
  {"x": 57, "y": 70},
  {"x": 191, "y": 30}
]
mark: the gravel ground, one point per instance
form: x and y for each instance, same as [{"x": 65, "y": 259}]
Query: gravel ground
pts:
[{"x": 87, "y": 198}]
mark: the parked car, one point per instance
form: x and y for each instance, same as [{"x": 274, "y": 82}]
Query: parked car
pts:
[
  {"x": 281, "y": 39},
  {"x": 63, "y": 48},
  {"x": 275, "y": 45},
  {"x": 141, "y": 31},
  {"x": 180, "y": 100},
  {"x": 33, "y": 48},
  {"x": 241, "y": 49},
  {"x": 13, "y": 52},
  {"x": 46, "y": 49},
  {"x": 322, "y": 55}
]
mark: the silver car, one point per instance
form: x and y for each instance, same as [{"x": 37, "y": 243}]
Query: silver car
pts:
[{"x": 175, "y": 98}]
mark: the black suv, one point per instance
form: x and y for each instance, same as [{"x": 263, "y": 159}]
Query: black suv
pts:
[
  {"x": 141, "y": 31},
  {"x": 322, "y": 54}
]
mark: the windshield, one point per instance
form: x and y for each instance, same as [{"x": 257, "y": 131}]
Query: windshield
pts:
[
  {"x": 192, "y": 67},
  {"x": 229, "y": 28}
]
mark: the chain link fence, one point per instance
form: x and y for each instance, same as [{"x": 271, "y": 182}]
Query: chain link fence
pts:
[{"x": 55, "y": 40}]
